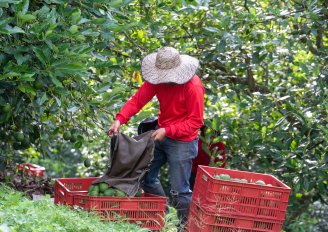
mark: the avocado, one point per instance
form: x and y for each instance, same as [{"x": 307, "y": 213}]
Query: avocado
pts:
[
  {"x": 90, "y": 189},
  {"x": 96, "y": 189},
  {"x": 103, "y": 187},
  {"x": 110, "y": 192},
  {"x": 139, "y": 193},
  {"x": 120, "y": 193},
  {"x": 94, "y": 193},
  {"x": 260, "y": 182},
  {"x": 225, "y": 177}
]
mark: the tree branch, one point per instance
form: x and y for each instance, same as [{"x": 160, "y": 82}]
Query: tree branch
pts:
[
  {"x": 245, "y": 5},
  {"x": 134, "y": 43}
]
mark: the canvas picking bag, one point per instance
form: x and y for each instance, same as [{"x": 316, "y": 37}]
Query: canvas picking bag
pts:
[{"x": 129, "y": 161}]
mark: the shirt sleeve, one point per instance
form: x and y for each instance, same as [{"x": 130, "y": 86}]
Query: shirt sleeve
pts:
[
  {"x": 145, "y": 93},
  {"x": 195, "y": 116}
]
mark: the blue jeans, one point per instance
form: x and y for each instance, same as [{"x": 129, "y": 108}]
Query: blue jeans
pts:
[{"x": 179, "y": 156}]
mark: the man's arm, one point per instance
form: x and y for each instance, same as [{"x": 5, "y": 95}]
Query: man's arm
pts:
[{"x": 145, "y": 93}]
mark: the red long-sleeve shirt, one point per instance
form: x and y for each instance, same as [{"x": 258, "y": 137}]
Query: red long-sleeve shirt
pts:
[{"x": 181, "y": 107}]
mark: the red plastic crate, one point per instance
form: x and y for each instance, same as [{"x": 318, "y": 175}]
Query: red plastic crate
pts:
[
  {"x": 201, "y": 220},
  {"x": 240, "y": 199},
  {"x": 148, "y": 210},
  {"x": 32, "y": 169},
  {"x": 66, "y": 188}
]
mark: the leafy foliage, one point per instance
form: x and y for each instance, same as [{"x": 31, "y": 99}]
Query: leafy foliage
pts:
[{"x": 67, "y": 66}]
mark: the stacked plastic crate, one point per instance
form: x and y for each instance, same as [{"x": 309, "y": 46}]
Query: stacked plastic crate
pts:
[
  {"x": 32, "y": 169},
  {"x": 229, "y": 200},
  {"x": 147, "y": 211}
]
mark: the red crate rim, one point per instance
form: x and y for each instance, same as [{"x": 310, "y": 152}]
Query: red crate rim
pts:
[
  {"x": 60, "y": 181},
  {"x": 145, "y": 196},
  {"x": 29, "y": 166},
  {"x": 224, "y": 170}
]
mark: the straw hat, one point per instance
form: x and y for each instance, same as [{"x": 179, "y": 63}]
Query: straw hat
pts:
[{"x": 167, "y": 65}]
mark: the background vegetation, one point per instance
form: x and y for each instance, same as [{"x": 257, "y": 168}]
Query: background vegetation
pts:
[{"x": 66, "y": 67}]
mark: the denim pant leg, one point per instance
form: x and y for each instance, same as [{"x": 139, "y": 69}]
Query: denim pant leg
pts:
[
  {"x": 152, "y": 183},
  {"x": 180, "y": 156}
]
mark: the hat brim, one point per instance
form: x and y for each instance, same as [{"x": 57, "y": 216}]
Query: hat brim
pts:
[{"x": 179, "y": 75}]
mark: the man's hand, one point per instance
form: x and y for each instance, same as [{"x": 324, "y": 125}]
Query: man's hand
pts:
[
  {"x": 114, "y": 128},
  {"x": 159, "y": 134}
]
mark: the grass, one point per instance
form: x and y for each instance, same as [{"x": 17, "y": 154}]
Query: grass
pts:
[{"x": 19, "y": 214}]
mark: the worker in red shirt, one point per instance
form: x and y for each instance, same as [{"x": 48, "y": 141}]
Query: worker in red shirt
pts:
[
  {"x": 171, "y": 78},
  {"x": 217, "y": 150}
]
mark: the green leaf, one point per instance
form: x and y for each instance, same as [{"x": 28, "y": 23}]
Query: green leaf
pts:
[
  {"x": 78, "y": 144},
  {"x": 5, "y": 21},
  {"x": 42, "y": 99},
  {"x": 11, "y": 30},
  {"x": 58, "y": 101},
  {"x": 73, "y": 29},
  {"x": 76, "y": 16},
  {"x": 11, "y": 74},
  {"x": 27, "y": 77},
  {"x": 205, "y": 148},
  {"x": 26, "y": 17},
  {"x": 40, "y": 55},
  {"x": 222, "y": 45},
  {"x": 25, "y": 6},
  {"x": 73, "y": 109},
  {"x": 68, "y": 67},
  {"x": 211, "y": 29},
  {"x": 56, "y": 81},
  {"x": 27, "y": 89},
  {"x": 216, "y": 123},
  {"x": 293, "y": 145}
]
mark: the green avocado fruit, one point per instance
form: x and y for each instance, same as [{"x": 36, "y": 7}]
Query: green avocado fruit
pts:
[
  {"x": 225, "y": 177},
  {"x": 120, "y": 193},
  {"x": 94, "y": 194},
  {"x": 139, "y": 193},
  {"x": 103, "y": 187},
  {"x": 110, "y": 192},
  {"x": 90, "y": 189},
  {"x": 19, "y": 136},
  {"x": 6, "y": 108},
  {"x": 67, "y": 135},
  {"x": 260, "y": 182},
  {"x": 87, "y": 163}
]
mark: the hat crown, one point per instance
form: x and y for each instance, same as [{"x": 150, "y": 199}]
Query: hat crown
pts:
[{"x": 167, "y": 58}]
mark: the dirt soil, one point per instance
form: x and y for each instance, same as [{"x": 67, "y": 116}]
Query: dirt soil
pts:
[{"x": 27, "y": 183}]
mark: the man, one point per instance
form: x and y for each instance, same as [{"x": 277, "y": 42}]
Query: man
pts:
[{"x": 171, "y": 78}]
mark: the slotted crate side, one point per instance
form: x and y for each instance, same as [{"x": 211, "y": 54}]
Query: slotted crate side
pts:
[
  {"x": 66, "y": 188},
  {"x": 148, "y": 210},
  {"x": 201, "y": 220},
  {"x": 153, "y": 220},
  {"x": 241, "y": 198},
  {"x": 145, "y": 202}
]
